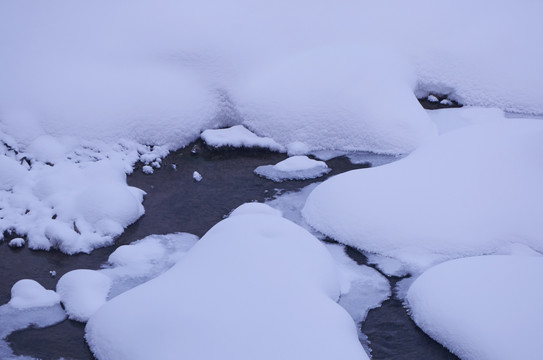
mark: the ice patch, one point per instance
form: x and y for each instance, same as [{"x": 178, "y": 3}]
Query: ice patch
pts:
[
  {"x": 294, "y": 168},
  {"x": 488, "y": 307}
]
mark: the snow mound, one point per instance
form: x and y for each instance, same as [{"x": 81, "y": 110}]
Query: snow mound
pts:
[
  {"x": 238, "y": 136},
  {"x": 17, "y": 243},
  {"x": 470, "y": 192},
  {"x": 487, "y": 307},
  {"x": 336, "y": 97},
  {"x": 26, "y": 294},
  {"x": 294, "y": 168},
  {"x": 250, "y": 308},
  {"x": 74, "y": 206},
  {"x": 82, "y": 292}
]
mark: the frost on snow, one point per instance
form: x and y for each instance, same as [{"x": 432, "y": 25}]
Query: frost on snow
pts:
[
  {"x": 239, "y": 306},
  {"x": 487, "y": 307},
  {"x": 473, "y": 191},
  {"x": 294, "y": 168},
  {"x": 238, "y": 136}
]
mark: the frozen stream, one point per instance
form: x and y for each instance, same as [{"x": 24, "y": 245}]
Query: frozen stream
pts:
[{"x": 176, "y": 202}]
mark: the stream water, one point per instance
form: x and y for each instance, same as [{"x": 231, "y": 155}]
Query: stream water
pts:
[{"x": 175, "y": 202}]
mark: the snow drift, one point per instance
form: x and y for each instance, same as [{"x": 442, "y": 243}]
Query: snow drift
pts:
[{"x": 271, "y": 297}]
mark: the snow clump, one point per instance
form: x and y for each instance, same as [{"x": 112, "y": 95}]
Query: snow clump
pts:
[{"x": 294, "y": 168}]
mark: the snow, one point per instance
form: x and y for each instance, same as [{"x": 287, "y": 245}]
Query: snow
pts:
[
  {"x": 337, "y": 102},
  {"x": 362, "y": 288},
  {"x": 14, "y": 319},
  {"x": 473, "y": 191},
  {"x": 17, "y": 243},
  {"x": 197, "y": 176},
  {"x": 432, "y": 98},
  {"x": 74, "y": 206},
  {"x": 238, "y": 136},
  {"x": 298, "y": 167},
  {"x": 265, "y": 311},
  {"x": 83, "y": 292},
  {"x": 27, "y": 293},
  {"x": 487, "y": 307}
]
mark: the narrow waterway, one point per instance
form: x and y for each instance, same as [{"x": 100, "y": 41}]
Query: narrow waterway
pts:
[{"x": 176, "y": 202}]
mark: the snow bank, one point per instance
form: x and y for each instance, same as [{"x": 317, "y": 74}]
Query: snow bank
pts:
[
  {"x": 473, "y": 191},
  {"x": 83, "y": 292},
  {"x": 242, "y": 306},
  {"x": 294, "y": 168},
  {"x": 488, "y": 307},
  {"x": 238, "y": 136},
  {"x": 336, "y": 98},
  {"x": 28, "y": 293}
]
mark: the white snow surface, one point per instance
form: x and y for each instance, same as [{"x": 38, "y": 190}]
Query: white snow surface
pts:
[
  {"x": 76, "y": 201},
  {"x": 473, "y": 191},
  {"x": 239, "y": 136},
  {"x": 297, "y": 167},
  {"x": 27, "y": 293},
  {"x": 158, "y": 73},
  {"x": 486, "y": 307},
  {"x": 82, "y": 292},
  {"x": 228, "y": 298}
]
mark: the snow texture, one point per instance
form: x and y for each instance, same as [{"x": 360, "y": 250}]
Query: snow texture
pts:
[
  {"x": 83, "y": 292},
  {"x": 265, "y": 311},
  {"x": 473, "y": 191},
  {"x": 294, "y": 168},
  {"x": 27, "y": 293},
  {"x": 76, "y": 202},
  {"x": 487, "y": 307},
  {"x": 239, "y": 136}
]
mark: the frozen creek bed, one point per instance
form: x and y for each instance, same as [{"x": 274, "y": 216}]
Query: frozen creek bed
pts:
[{"x": 176, "y": 202}]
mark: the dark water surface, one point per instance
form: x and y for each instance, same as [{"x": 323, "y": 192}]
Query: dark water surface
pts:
[{"x": 176, "y": 202}]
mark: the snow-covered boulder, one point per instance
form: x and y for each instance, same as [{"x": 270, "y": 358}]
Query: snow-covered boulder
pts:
[
  {"x": 487, "y": 307},
  {"x": 29, "y": 293},
  {"x": 238, "y": 136},
  {"x": 256, "y": 286},
  {"x": 297, "y": 167},
  {"x": 470, "y": 192},
  {"x": 83, "y": 292}
]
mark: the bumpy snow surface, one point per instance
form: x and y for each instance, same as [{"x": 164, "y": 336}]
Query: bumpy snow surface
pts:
[
  {"x": 473, "y": 191},
  {"x": 256, "y": 286},
  {"x": 297, "y": 167},
  {"x": 486, "y": 308}
]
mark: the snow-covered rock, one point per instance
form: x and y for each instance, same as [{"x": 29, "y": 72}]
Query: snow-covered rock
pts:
[
  {"x": 29, "y": 293},
  {"x": 228, "y": 298},
  {"x": 238, "y": 136},
  {"x": 83, "y": 292},
  {"x": 470, "y": 192},
  {"x": 487, "y": 307},
  {"x": 16, "y": 243},
  {"x": 197, "y": 176},
  {"x": 298, "y": 167}
]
